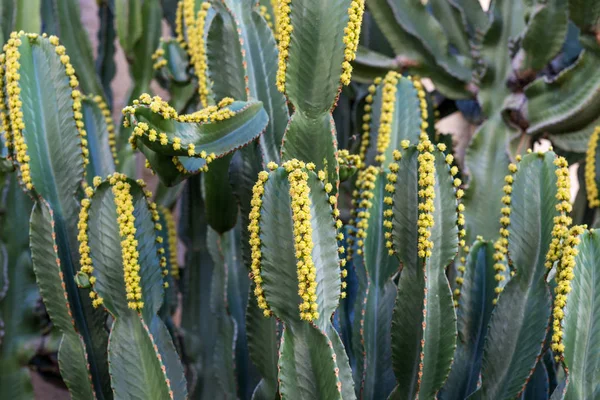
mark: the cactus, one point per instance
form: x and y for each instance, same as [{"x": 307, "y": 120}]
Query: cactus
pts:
[
  {"x": 18, "y": 294},
  {"x": 337, "y": 244}
]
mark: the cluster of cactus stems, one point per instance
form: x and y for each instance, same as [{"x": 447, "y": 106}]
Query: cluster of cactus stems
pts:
[{"x": 436, "y": 282}]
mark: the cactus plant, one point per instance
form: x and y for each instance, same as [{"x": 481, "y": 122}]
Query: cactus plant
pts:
[{"x": 332, "y": 249}]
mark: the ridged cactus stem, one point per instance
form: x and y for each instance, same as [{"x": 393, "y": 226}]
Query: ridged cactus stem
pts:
[
  {"x": 123, "y": 260},
  {"x": 591, "y": 174}
]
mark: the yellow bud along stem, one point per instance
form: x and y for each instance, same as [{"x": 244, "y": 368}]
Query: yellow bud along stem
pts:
[
  {"x": 365, "y": 186},
  {"x": 219, "y": 112},
  {"x": 275, "y": 7},
  {"x": 110, "y": 126},
  {"x": 351, "y": 37},
  {"x": 426, "y": 184},
  {"x": 462, "y": 233},
  {"x": 158, "y": 229},
  {"x": 254, "y": 229},
  {"x": 501, "y": 246},
  {"x": 388, "y": 200},
  {"x": 195, "y": 30},
  {"x": 15, "y": 113},
  {"x": 590, "y": 169},
  {"x": 172, "y": 241},
  {"x": 303, "y": 244},
  {"x": 158, "y": 57},
  {"x": 564, "y": 276},
  {"x": 85, "y": 262},
  {"x": 349, "y": 160},
  {"x": 179, "y": 24},
  {"x": 335, "y": 212},
  {"x": 17, "y": 125},
  {"x": 560, "y": 230},
  {"x": 264, "y": 12},
  {"x": 366, "y": 125},
  {"x": 284, "y": 32},
  {"x": 388, "y": 105},
  {"x": 4, "y": 125},
  {"x": 129, "y": 252}
]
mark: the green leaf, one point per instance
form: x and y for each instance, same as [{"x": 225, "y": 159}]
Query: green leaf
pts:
[
  {"x": 278, "y": 268},
  {"x": 580, "y": 325},
  {"x": 224, "y": 57},
  {"x": 72, "y": 357},
  {"x": 524, "y": 306},
  {"x": 568, "y": 102},
  {"x": 496, "y": 55},
  {"x": 28, "y": 16},
  {"x": 106, "y": 67},
  {"x": 475, "y": 306},
  {"x": 307, "y": 364},
  {"x": 101, "y": 158},
  {"x": 370, "y": 64},
  {"x": 221, "y": 205},
  {"x": 406, "y": 25},
  {"x": 313, "y": 140},
  {"x": 487, "y": 165},
  {"x": 585, "y": 14},
  {"x": 377, "y": 380},
  {"x": 128, "y": 14},
  {"x": 67, "y": 22},
  {"x": 316, "y": 53},
  {"x": 219, "y": 137},
  {"x": 262, "y": 347},
  {"x": 540, "y": 44},
  {"x": 224, "y": 350},
  {"x": 18, "y": 292},
  {"x": 135, "y": 369},
  {"x": 450, "y": 18},
  {"x": 197, "y": 319},
  {"x": 538, "y": 385},
  {"x": 54, "y": 145},
  {"x": 260, "y": 61},
  {"x": 424, "y": 308}
]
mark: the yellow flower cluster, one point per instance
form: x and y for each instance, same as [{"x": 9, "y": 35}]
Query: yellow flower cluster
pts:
[
  {"x": 129, "y": 249},
  {"x": 219, "y": 112},
  {"x": 390, "y": 187},
  {"x": 17, "y": 125},
  {"x": 284, "y": 33},
  {"x": 76, "y": 95},
  {"x": 254, "y": 229},
  {"x": 351, "y": 37},
  {"x": 388, "y": 105},
  {"x": 564, "y": 276},
  {"x": 560, "y": 230},
  {"x": 172, "y": 241},
  {"x": 349, "y": 160},
  {"x": 460, "y": 221},
  {"x": 421, "y": 95},
  {"x": 197, "y": 51},
  {"x": 4, "y": 126},
  {"x": 303, "y": 244},
  {"x": 275, "y": 7},
  {"x": 366, "y": 125},
  {"x": 590, "y": 169},
  {"x": 179, "y": 25},
  {"x": 501, "y": 245},
  {"x": 158, "y": 58},
  {"x": 335, "y": 212},
  {"x": 264, "y": 12},
  {"x": 110, "y": 127},
  {"x": 365, "y": 186},
  {"x": 85, "y": 259},
  {"x": 426, "y": 183}
]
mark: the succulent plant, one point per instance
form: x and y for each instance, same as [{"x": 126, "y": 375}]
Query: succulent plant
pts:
[{"x": 395, "y": 267}]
